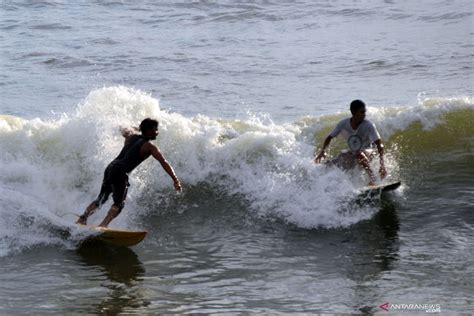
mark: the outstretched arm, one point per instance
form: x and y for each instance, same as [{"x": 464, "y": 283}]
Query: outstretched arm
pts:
[
  {"x": 155, "y": 152},
  {"x": 380, "y": 148},
  {"x": 322, "y": 153}
]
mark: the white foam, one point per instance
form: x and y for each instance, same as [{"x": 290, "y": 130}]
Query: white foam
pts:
[
  {"x": 52, "y": 167},
  {"x": 427, "y": 111}
]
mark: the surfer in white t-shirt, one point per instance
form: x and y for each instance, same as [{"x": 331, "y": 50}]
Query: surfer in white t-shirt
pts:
[{"x": 360, "y": 135}]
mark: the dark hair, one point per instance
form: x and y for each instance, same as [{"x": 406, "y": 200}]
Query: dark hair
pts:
[
  {"x": 356, "y": 105},
  {"x": 148, "y": 124}
]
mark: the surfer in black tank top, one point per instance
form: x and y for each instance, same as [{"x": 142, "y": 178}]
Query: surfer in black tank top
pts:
[
  {"x": 129, "y": 158},
  {"x": 136, "y": 149}
]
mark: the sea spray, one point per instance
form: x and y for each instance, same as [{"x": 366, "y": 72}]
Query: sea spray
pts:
[{"x": 53, "y": 167}]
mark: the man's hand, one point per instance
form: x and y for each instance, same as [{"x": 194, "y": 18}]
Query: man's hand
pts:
[
  {"x": 320, "y": 157},
  {"x": 322, "y": 153},
  {"x": 177, "y": 185}
]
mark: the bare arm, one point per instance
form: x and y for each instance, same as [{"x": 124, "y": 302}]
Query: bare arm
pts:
[
  {"x": 380, "y": 148},
  {"x": 155, "y": 152},
  {"x": 322, "y": 153}
]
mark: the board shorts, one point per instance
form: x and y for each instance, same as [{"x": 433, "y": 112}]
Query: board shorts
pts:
[
  {"x": 116, "y": 183},
  {"x": 347, "y": 159}
]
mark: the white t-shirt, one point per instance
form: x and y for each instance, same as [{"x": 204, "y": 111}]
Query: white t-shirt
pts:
[{"x": 366, "y": 131}]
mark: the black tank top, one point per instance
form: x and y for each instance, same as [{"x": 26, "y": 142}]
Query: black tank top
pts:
[{"x": 129, "y": 158}]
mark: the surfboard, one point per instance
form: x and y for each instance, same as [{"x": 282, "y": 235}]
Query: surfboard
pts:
[
  {"x": 116, "y": 237},
  {"x": 385, "y": 187}
]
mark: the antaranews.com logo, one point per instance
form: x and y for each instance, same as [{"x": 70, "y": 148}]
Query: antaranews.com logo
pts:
[{"x": 428, "y": 308}]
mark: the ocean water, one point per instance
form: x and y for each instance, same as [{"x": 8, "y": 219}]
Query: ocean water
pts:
[{"x": 245, "y": 92}]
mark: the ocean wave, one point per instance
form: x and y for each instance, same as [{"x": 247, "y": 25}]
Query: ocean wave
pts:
[{"x": 57, "y": 163}]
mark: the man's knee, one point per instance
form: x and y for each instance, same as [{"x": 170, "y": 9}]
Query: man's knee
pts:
[
  {"x": 362, "y": 158},
  {"x": 96, "y": 204},
  {"x": 118, "y": 207}
]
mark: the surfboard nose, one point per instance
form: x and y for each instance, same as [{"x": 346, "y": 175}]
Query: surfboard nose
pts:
[{"x": 122, "y": 238}]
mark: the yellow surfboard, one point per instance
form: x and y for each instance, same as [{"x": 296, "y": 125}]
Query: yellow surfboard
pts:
[{"x": 116, "y": 237}]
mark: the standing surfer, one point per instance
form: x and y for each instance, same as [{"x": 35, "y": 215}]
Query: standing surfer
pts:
[{"x": 136, "y": 149}]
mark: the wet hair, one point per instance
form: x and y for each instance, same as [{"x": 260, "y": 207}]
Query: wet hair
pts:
[
  {"x": 148, "y": 124},
  {"x": 356, "y": 105}
]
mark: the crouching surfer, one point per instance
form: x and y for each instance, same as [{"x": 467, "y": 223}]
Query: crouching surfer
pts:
[{"x": 361, "y": 135}]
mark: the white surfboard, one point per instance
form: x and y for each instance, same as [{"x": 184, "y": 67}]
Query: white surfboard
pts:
[{"x": 385, "y": 187}]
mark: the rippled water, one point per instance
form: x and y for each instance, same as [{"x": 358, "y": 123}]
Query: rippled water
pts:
[{"x": 286, "y": 59}]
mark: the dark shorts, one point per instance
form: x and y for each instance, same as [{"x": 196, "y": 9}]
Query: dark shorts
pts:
[{"x": 115, "y": 182}]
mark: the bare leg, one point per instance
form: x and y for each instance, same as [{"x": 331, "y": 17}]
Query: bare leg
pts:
[
  {"x": 364, "y": 162},
  {"x": 113, "y": 212},
  {"x": 88, "y": 212}
]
